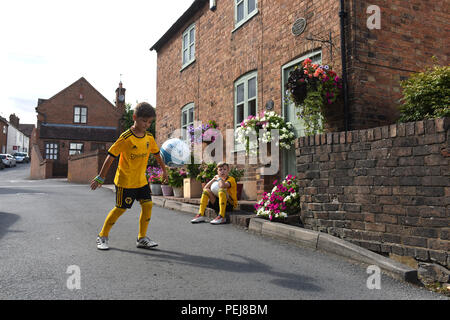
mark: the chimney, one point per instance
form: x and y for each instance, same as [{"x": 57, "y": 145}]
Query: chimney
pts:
[
  {"x": 14, "y": 120},
  {"x": 120, "y": 96}
]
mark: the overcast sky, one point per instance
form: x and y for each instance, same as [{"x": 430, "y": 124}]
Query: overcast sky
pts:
[{"x": 48, "y": 44}]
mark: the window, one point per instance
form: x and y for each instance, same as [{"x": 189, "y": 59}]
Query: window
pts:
[
  {"x": 245, "y": 98},
  {"x": 51, "y": 151},
  {"x": 80, "y": 115},
  {"x": 244, "y": 10},
  {"x": 188, "y": 51},
  {"x": 187, "y": 117},
  {"x": 4, "y": 129},
  {"x": 75, "y": 148}
]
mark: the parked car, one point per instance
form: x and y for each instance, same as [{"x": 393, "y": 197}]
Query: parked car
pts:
[
  {"x": 21, "y": 157},
  {"x": 8, "y": 160}
]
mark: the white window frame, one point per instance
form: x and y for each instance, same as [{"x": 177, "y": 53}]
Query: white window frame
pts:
[
  {"x": 247, "y": 15},
  {"x": 75, "y": 148},
  {"x": 190, "y": 49},
  {"x": 78, "y": 116},
  {"x": 186, "y": 110},
  {"x": 51, "y": 150},
  {"x": 244, "y": 80}
]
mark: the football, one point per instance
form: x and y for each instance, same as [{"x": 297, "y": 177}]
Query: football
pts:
[{"x": 175, "y": 152}]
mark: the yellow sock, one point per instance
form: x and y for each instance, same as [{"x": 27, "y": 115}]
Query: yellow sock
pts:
[
  {"x": 222, "y": 202},
  {"x": 112, "y": 217},
  {"x": 144, "y": 219},
  {"x": 203, "y": 203}
]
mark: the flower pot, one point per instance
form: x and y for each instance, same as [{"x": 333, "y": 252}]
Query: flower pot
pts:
[
  {"x": 239, "y": 190},
  {"x": 167, "y": 190},
  {"x": 156, "y": 189},
  {"x": 192, "y": 188},
  {"x": 178, "y": 192}
]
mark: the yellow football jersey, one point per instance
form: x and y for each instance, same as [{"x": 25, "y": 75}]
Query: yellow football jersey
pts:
[
  {"x": 134, "y": 152},
  {"x": 232, "y": 191}
]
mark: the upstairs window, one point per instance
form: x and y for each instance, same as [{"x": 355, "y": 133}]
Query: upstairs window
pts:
[
  {"x": 80, "y": 114},
  {"x": 188, "y": 45},
  {"x": 244, "y": 10}
]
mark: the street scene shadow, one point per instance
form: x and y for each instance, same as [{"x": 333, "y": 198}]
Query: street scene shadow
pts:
[
  {"x": 7, "y": 220},
  {"x": 247, "y": 265}
]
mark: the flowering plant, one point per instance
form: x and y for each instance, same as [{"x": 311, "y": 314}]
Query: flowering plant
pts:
[
  {"x": 283, "y": 200},
  {"x": 154, "y": 175},
  {"x": 202, "y": 132},
  {"x": 176, "y": 176},
  {"x": 266, "y": 120},
  {"x": 207, "y": 172},
  {"x": 312, "y": 87}
]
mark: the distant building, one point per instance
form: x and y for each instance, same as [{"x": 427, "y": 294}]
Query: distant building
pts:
[
  {"x": 3, "y": 134},
  {"x": 17, "y": 140},
  {"x": 75, "y": 120}
]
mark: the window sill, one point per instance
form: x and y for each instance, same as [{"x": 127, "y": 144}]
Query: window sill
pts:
[
  {"x": 241, "y": 23},
  {"x": 187, "y": 65}
]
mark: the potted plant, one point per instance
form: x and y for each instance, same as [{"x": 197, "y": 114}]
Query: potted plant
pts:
[
  {"x": 207, "y": 172},
  {"x": 266, "y": 120},
  {"x": 283, "y": 201},
  {"x": 154, "y": 177},
  {"x": 192, "y": 188},
  {"x": 313, "y": 89},
  {"x": 237, "y": 175},
  {"x": 176, "y": 177}
]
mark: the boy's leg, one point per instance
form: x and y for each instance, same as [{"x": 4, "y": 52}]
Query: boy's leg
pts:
[
  {"x": 112, "y": 217},
  {"x": 206, "y": 196},
  {"x": 222, "y": 202},
  {"x": 144, "y": 219}
]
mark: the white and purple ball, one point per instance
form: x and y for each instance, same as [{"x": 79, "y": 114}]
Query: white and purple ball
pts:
[{"x": 175, "y": 152}]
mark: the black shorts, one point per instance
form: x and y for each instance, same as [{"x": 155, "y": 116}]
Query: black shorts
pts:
[
  {"x": 125, "y": 197},
  {"x": 216, "y": 206}
]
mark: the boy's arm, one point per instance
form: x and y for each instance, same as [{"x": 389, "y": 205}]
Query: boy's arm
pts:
[
  {"x": 208, "y": 185},
  {"x": 162, "y": 165},
  {"x": 106, "y": 165}
]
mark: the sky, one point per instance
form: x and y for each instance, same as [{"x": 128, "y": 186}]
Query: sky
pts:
[{"x": 47, "y": 45}]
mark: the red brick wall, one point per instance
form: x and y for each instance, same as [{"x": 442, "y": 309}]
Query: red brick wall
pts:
[
  {"x": 59, "y": 108},
  {"x": 265, "y": 43},
  {"x": 385, "y": 188},
  {"x": 82, "y": 168},
  {"x": 3, "y": 136},
  {"x": 411, "y": 33}
]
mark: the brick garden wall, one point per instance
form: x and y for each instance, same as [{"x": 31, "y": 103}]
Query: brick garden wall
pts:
[
  {"x": 82, "y": 168},
  {"x": 386, "y": 189}
]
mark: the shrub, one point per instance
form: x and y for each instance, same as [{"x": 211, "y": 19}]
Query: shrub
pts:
[{"x": 426, "y": 95}]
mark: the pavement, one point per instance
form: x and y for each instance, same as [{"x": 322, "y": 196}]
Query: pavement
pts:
[{"x": 244, "y": 217}]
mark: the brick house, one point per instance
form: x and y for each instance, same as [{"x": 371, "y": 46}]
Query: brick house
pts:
[
  {"x": 218, "y": 49},
  {"x": 76, "y": 120},
  {"x": 3, "y": 134}
]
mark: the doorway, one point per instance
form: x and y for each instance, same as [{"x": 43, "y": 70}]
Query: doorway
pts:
[{"x": 289, "y": 111}]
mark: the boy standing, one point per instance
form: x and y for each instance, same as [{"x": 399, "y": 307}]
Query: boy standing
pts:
[
  {"x": 134, "y": 147},
  {"x": 227, "y": 194}
]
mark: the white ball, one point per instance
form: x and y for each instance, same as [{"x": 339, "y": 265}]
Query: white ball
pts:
[
  {"x": 175, "y": 152},
  {"x": 215, "y": 188}
]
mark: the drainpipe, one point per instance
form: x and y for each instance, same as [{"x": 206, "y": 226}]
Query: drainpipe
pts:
[{"x": 343, "y": 16}]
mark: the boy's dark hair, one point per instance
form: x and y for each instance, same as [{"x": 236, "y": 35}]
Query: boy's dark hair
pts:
[{"x": 144, "y": 110}]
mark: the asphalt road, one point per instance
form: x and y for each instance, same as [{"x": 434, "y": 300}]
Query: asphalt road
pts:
[{"x": 48, "y": 251}]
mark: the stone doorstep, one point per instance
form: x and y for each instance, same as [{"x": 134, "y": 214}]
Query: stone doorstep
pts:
[
  {"x": 237, "y": 217},
  {"x": 330, "y": 244}
]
